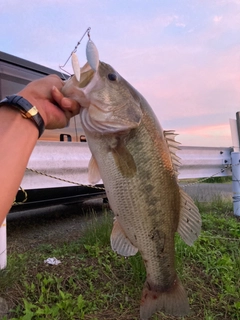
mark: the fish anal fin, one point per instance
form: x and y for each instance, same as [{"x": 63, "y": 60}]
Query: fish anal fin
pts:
[
  {"x": 124, "y": 160},
  {"x": 93, "y": 171},
  {"x": 120, "y": 243},
  {"x": 190, "y": 222},
  {"x": 172, "y": 301}
]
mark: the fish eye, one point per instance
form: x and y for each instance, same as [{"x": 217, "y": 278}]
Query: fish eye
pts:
[{"x": 112, "y": 76}]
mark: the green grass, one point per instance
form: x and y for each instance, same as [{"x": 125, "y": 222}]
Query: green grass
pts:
[
  {"x": 227, "y": 179},
  {"x": 218, "y": 180},
  {"x": 93, "y": 282}
]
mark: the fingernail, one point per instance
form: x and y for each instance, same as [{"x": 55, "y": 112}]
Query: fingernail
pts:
[{"x": 66, "y": 103}]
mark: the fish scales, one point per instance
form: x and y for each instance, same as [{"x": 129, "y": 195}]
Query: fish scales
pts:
[{"x": 134, "y": 157}]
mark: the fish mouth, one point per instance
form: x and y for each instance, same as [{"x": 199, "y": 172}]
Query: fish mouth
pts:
[
  {"x": 78, "y": 90},
  {"x": 87, "y": 74}
]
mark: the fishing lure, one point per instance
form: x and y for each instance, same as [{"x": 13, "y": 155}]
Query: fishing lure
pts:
[
  {"x": 91, "y": 54},
  {"x": 76, "y": 66}
]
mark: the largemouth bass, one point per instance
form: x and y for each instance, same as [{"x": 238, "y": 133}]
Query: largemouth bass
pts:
[{"x": 137, "y": 162}]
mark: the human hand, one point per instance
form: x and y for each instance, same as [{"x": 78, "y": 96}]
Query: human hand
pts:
[{"x": 55, "y": 109}]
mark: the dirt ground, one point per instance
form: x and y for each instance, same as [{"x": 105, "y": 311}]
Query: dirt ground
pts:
[{"x": 55, "y": 224}]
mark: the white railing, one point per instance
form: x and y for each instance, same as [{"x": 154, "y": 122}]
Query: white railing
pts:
[
  {"x": 69, "y": 161},
  {"x": 202, "y": 162}
]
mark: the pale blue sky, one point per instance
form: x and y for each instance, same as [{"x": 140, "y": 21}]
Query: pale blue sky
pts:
[{"x": 182, "y": 55}]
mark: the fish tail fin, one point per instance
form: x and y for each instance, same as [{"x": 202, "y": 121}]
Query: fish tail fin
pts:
[{"x": 173, "y": 301}]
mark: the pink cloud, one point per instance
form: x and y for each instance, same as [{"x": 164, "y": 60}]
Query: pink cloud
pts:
[
  {"x": 206, "y": 131},
  {"x": 217, "y": 135},
  {"x": 217, "y": 19}
]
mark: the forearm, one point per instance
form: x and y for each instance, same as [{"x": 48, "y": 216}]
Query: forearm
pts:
[
  {"x": 18, "y": 135},
  {"x": 18, "y": 138}
]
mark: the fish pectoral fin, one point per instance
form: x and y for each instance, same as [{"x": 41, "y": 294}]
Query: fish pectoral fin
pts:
[
  {"x": 124, "y": 160},
  {"x": 93, "y": 171},
  {"x": 190, "y": 221},
  {"x": 120, "y": 243}
]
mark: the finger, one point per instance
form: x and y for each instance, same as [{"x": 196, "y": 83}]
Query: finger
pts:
[
  {"x": 70, "y": 105},
  {"x": 57, "y": 95},
  {"x": 56, "y": 80}
]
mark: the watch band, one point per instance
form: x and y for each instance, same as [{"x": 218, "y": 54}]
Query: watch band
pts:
[{"x": 27, "y": 110}]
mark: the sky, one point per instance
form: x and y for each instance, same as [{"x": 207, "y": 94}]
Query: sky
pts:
[{"x": 183, "y": 56}]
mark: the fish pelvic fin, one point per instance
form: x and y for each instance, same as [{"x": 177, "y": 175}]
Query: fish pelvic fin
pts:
[
  {"x": 172, "y": 301},
  {"x": 120, "y": 243},
  {"x": 190, "y": 221},
  {"x": 93, "y": 171}
]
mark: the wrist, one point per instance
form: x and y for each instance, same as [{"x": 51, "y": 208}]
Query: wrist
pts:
[
  {"x": 26, "y": 109},
  {"x": 35, "y": 101},
  {"x": 12, "y": 121}
]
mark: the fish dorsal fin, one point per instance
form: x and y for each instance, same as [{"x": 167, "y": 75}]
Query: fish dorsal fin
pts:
[
  {"x": 93, "y": 171},
  {"x": 173, "y": 146},
  {"x": 190, "y": 222},
  {"x": 120, "y": 243}
]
